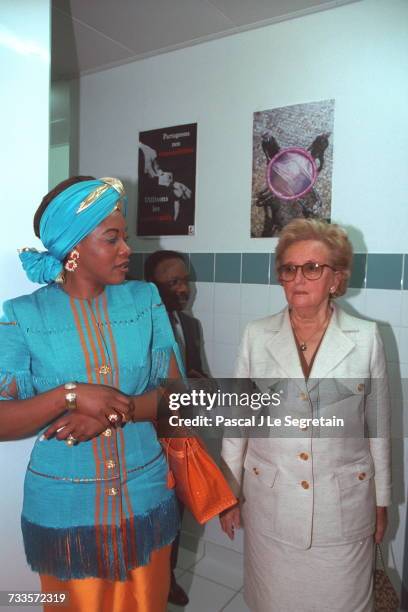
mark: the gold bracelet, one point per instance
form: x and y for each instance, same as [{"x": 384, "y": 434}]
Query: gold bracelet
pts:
[{"x": 71, "y": 396}]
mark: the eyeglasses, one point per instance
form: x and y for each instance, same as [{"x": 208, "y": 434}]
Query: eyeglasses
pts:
[{"x": 310, "y": 270}]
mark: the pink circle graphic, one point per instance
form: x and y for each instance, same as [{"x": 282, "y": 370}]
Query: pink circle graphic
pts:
[{"x": 291, "y": 173}]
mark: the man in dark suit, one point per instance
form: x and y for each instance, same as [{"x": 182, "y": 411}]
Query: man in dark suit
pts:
[{"x": 168, "y": 270}]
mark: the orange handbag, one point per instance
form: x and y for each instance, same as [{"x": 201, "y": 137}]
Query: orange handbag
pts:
[{"x": 199, "y": 482}]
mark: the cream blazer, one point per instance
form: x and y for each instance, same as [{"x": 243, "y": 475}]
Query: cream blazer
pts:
[{"x": 315, "y": 486}]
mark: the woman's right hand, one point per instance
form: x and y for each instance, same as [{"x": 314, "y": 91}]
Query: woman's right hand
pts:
[
  {"x": 230, "y": 520},
  {"x": 101, "y": 402},
  {"x": 81, "y": 426}
]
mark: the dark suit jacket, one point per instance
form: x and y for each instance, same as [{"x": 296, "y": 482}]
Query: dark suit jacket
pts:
[{"x": 192, "y": 336}]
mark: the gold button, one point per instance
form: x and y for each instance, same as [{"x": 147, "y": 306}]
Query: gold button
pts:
[
  {"x": 104, "y": 369},
  {"x": 107, "y": 432},
  {"x": 110, "y": 464},
  {"x": 305, "y": 484},
  {"x": 255, "y": 471},
  {"x": 304, "y": 456},
  {"x": 360, "y": 387},
  {"x": 303, "y": 396},
  {"x": 112, "y": 491},
  {"x": 362, "y": 476}
]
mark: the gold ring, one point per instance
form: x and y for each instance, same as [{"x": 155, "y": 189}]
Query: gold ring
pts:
[
  {"x": 113, "y": 418},
  {"x": 70, "y": 441}
]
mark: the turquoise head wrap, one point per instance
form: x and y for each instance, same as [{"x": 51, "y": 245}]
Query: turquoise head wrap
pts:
[{"x": 69, "y": 218}]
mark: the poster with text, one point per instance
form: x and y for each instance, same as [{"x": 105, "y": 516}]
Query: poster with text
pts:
[
  {"x": 292, "y": 165},
  {"x": 167, "y": 178}
]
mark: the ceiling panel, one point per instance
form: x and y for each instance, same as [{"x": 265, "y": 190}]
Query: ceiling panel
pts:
[
  {"x": 90, "y": 35},
  {"x": 146, "y": 25},
  {"x": 245, "y": 12},
  {"x": 76, "y": 48}
]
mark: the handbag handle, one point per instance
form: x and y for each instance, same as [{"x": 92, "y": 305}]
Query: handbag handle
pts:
[{"x": 379, "y": 554}]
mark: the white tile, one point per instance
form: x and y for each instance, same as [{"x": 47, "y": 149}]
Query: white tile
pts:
[
  {"x": 401, "y": 413},
  {"x": 404, "y": 308},
  {"x": 354, "y": 302},
  {"x": 399, "y": 398},
  {"x": 403, "y": 345},
  {"x": 237, "y": 604},
  {"x": 395, "y": 381},
  {"x": 227, "y": 298},
  {"x": 178, "y": 572},
  {"x": 211, "y": 359},
  {"x": 384, "y": 305},
  {"x": 221, "y": 565},
  {"x": 224, "y": 358},
  {"x": 390, "y": 337},
  {"x": 204, "y": 595},
  {"x": 277, "y": 299},
  {"x": 226, "y": 328},
  {"x": 202, "y": 297},
  {"x": 403, "y": 370},
  {"x": 255, "y": 300},
  {"x": 187, "y": 558},
  {"x": 206, "y": 356},
  {"x": 192, "y": 530}
]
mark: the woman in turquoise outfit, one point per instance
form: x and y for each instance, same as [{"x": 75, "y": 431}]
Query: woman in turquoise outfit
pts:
[{"x": 80, "y": 367}]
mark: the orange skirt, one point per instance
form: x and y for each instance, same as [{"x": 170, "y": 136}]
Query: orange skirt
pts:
[{"x": 145, "y": 590}]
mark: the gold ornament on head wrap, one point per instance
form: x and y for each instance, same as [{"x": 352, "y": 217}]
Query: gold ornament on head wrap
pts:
[{"x": 98, "y": 191}]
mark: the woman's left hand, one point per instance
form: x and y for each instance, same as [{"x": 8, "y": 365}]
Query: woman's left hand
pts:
[
  {"x": 381, "y": 524},
  {"x": 81, "y": 426}
]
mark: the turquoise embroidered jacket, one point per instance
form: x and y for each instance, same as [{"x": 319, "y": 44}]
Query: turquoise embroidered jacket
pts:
[{"x": 98, "y": 508}]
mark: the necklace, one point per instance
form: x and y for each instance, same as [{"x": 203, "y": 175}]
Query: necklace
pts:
[{"x": 303, "y": 343}]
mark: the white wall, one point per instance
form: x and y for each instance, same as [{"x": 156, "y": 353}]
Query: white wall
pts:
[
  {"x": 357, "y": 54},
  {"x": 58, "y": 164},
  {"x": 24, "y": 59}
]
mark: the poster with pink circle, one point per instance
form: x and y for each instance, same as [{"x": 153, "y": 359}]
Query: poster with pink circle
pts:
[{"x": 292, "y": 165}]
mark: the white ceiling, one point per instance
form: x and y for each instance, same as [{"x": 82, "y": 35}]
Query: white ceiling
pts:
[{"x": 90, "y": 35}]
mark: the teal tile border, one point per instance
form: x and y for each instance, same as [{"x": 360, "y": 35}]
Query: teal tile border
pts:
[
  {"x": 202, "y": 267},
  {"x": 273, "y": 277},
  {"x": 384, "y": 271},
  {"x": 255, "y": 268},
  {"x": 228, "y": 267},
  {"x": 358, "y": 273},
  {"x": 371, "y": 271}
]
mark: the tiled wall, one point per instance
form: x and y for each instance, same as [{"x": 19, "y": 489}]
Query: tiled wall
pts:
[
  {"x": 231, "y": 289},
  {"x": 370, "y": 271}
]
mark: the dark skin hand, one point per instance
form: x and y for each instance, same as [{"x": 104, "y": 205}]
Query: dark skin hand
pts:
[
  {"x": 99, "y": 401},
  {"x": 94, "y": 404},
  {"x": 90, "y": 418},
  {"x": 81, "y": 426}
]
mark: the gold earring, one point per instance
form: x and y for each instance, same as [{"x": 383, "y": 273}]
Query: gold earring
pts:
[{"x": 72, "y": 262}]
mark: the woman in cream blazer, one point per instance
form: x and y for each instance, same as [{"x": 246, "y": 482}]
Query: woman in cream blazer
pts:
[{"x": 313, "y": 495}]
